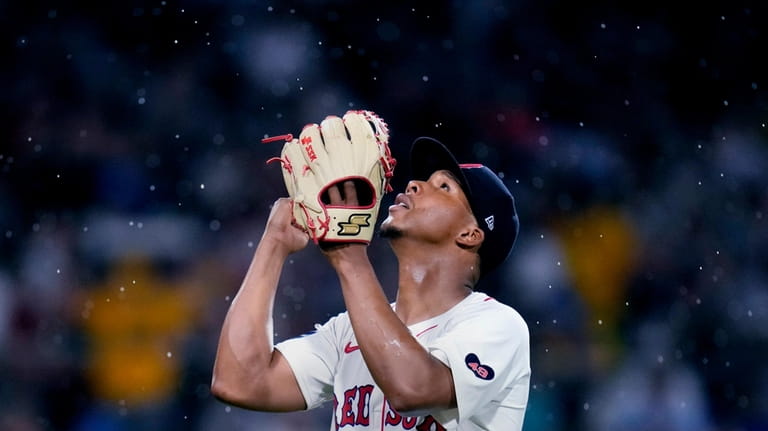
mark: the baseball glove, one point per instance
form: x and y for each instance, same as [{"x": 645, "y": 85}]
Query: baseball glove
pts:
[{"x": 354, "y": 148}]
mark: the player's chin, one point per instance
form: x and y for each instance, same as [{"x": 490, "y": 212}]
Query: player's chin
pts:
[{"x": 389, "y": 230}]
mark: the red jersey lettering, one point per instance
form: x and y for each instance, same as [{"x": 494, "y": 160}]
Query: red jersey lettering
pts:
[
  {"x": 409, "y": 422},
  {"x": 430, "y": 424},
  {"x": 355, "y": 408},
  {"x": 394, "y": 418},
  {"x": 363, "y": 401},
  {"x": 347, "y": 415}
]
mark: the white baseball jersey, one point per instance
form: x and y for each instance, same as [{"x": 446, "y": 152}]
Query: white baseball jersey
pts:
[{"x": 484, "y": 342}]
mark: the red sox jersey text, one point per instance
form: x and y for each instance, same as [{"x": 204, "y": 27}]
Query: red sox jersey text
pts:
[{"x": 484, "y": 342}]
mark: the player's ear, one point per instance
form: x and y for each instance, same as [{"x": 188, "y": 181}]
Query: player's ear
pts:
[{"x": 470, "y": 237}]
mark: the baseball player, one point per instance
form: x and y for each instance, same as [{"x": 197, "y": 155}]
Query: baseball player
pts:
[{"x": 441, "y": 357}]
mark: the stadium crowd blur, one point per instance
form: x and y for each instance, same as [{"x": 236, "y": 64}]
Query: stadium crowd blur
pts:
[{"x": 133, "y": 191}]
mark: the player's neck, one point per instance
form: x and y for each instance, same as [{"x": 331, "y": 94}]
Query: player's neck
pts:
[{"x": 429, "y": 284}]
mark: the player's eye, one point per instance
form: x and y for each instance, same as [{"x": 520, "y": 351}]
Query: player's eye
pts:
[{"x": 445, "y": 186}]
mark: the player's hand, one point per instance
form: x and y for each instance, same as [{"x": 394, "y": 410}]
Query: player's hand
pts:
[
  {"x": 342, "y": 194},
  {"x": 286, "y": 235}
]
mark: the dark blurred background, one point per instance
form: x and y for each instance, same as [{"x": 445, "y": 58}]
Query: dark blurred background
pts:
[{"x": 133, "y": 191}]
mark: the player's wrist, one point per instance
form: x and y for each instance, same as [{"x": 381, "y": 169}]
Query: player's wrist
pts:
[
  {"x": 340, "y": 253},
  {"x": 274, "y": 246}
]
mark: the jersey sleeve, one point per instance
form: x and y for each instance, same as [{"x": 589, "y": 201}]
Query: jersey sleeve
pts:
[
  {"x": 313, "y": 358},
  {"x": 489, "y": 358}
]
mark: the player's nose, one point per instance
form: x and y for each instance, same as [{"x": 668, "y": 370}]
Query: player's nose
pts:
[{"x": 413, "y": 187}]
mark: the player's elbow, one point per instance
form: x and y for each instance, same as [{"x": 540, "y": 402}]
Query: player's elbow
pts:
[
  {"x": 235, "y": 393},
  {"x": 226, "y": 392},
  {"x": 422, "y": 392},
  {"x": 408, "y": 405},
  {"x": 413, "y": 401},
  {"x": 221, "y": 391}
]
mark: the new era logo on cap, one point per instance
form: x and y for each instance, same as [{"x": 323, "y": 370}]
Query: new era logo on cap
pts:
[{"x": 489, "y": 222}]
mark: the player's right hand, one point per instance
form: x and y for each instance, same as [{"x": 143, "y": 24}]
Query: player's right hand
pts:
[{"x": 280, "y": 229}]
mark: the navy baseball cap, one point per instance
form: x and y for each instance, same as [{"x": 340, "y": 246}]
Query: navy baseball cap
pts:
[{"x": 491, "y": 202}]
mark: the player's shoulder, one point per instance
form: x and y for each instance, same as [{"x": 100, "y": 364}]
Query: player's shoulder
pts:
[
  {"x": 484, "y": 308},
  {"x": 339, "y": 324},
  {"x": 341, "y": 319}
]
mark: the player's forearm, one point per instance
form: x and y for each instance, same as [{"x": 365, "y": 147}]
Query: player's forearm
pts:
[
  {"x": 246, "y": 341},
  {"x": 407, "y": 374}
]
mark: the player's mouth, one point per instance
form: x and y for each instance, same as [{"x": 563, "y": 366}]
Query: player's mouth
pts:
[{"x": 401, "y": 201}]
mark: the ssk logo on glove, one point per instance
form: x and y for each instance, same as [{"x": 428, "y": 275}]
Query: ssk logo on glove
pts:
[
  {"x": 307, "y": 142},
  {"x": 353, "y": 225},
  {"x": 482, "y": 371}
]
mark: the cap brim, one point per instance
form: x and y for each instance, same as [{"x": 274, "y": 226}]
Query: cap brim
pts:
[{"x": 428, "y": 155}]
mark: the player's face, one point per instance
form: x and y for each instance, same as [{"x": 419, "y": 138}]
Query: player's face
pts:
[{"x": 434, "y": 210}]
